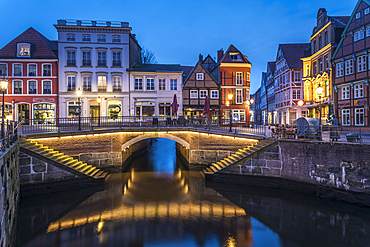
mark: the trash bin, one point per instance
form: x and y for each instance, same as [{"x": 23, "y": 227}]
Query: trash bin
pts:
[
  {"x": 155, "y": 121},
  {"x": 352, "y": 137}
]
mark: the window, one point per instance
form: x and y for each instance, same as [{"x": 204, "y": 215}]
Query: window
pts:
[
  {"x": 358, "y": 35},
  {"x": 238, "y": 115},
  {"x": 358, "y": 15},
  {"x": 71, "y": 37},
  {"x": 214, "y": 94},
  {"x": 296, "y": 94},
  {"x": 101, "y": 39},
  {"x": 102, "y": 61},
  {"x": 193, "y": 94},
  {"x": 32, "y": 87},
  {"x": 199, "y": 76},
  {"x": 86, "y": 38},
  {"x": 116, "y": 39},
  {"x": 46, "y": 70},
  {"x": 32, "y": 70},
  {"x": 150, "y": 84},
  {"x": 102, "y": 83},
  {"x": 349, "y": 67},
  {"x": 162, "y": 84},
  {"x": 239, "y": 96},
  {"x": 359, "y": 90},
  {"x": 117, "y": 83},
  {"x": 326, "y": 62},
  {"x": 361, "y": 63},
  {"x": 138, "y": 84},
  {"x": 314, "y": 69},
  {"x": 345, "y": 92},
  {"x": 173, "y": 84},
  {"x": 307, "y": 70},
  {"x": 117, "y": 58},
  {"x": 239, "y": 78},
  {"x": 3, "y": 70},
  {"x": 320, "y": 42},
  {"x": 248, "y": 76},
  {"x": 17, "y": 70},
  {"x": 314, "y": 46},
  {"x": 23, "y": 50},
  {"x": 71, "y": 83},
  {"x": 235, "y": 57},
  {"x": 71, "y": 58},
  {"x": 326, "y": 38},
  {"x": 366, "y": 11},
  {"x": 320, "y": 65},
  {"x": 73, "y": 109},
  {"x": 359, "y": 116},
  {"x": 368, "y": 31},
  {"x": 339, "y": 69},
  {"x": 203, "y": 93},
  {"x": 86, "y": 58},
  {"x": 17, "y": 86},
  {"x": 46, "y": 87},
  {"x": 86, "y": 79}
]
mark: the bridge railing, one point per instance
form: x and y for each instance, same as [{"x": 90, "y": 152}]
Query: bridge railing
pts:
[
  {"x": 10, "y": 135},
  {"x": 53, "y": 125}
]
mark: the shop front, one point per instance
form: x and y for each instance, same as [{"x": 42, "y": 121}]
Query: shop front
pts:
[
  {"x": 114, "y": 110},
  {"x": 44, "y": 113},
  {"x": 8, "y": 112}
]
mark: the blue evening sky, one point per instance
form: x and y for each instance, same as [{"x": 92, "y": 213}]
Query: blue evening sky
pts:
[{"x": 177, "y": 31}]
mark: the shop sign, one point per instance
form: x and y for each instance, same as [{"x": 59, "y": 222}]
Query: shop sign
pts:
[
  {"x": 359, "y": 102},
  {"x": 341, "y": 105},
  {"x": 43, "y": 99}
]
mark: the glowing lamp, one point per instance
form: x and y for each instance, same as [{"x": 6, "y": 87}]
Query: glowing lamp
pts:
[
  {"x": 79, "y": 92},
  {"x": 300, "y": 102},
  {"x": 230, "y": 96},
  {"x": 4, "y": 85},
  {"x": 252, "y": 101},
  {"x": 99, "y": 100}
]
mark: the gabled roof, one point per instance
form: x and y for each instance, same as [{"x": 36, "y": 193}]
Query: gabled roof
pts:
[
  {"x": 226, "y": 57},
  {"x": 187, "y": 70},
  {"x": 293, "y": 54},
  {"x": 271, "y": 65},
  {"x": 348, "y": 24},
  {"x": 156, "y": 68},
  {"x": 41, "y": 47},
  {"x": 199, "y": 63},
  {"x": 209, "y": 62},
  {"x": 341, "y": 21}
]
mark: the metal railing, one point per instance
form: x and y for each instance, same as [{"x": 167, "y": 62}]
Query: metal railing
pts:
[
  {"x": 10, "y": 134},
  {"x": 55, "y": 125}
]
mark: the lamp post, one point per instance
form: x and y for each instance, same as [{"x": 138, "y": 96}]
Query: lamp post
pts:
[
  {"x": 99, "y": 101},
  {"x": 79, "y": 93},
  {"x": 250, "y": 103},
  {"x": 3, "y": 86},
  {"x": 230, "y": 97}
]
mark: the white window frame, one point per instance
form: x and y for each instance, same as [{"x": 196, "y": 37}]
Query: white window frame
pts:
[
  {"x": 239, "y": 113},
  {"x": 86, "y": 38},
  {"x": 358, "y": 91},
  {"x": 162, "y": 84},
  {"x": 28, "y": 87},
  {"x": 297, "y": 76},
  {"x": 173, "y": 84},
  {"x": 150, "y": 84},
  {"x": 193, "y": 94},
  {"x": 345, "y": 92},
  {"x": 101, "y": 38},
  {"x": 203, "y": 94},
  {"x": 69, "y": 37},
  {"x": 117, "y": 40},
  {"x": 71, "y": 76},
  {"x": 346, "y": 112},
  {"x": 340, "y": 69},
  {"x": 349, "y": 66},
  {"x": 138, "y": 84},
  {"x": 239, "y": 96},
  {"x": 103, "y": 82},
  {"x": 361, "y": 63},
  {"x": 117, "y": 82},
  {"x": 26, "y": 50},
  {"x": 28, "y": 69},
  {"x": 83, "y": 82},
  {"x": 115, "y": 55},
  {"x": 13, "y": 82},
  {"x": 327, "y": 65},
  {"x": 358, "y": 35},
  {"x": 51, "y": 87},
  {"x": 21, "y": 69},
  {"x": 238, "y": 78},
  {"x": 200, "y": 76},
  {"x": 214, "y": 94},
  {"x": 51, "y": 70},
  {"x": 6, "y": 69},
  {"x": 358, "y": 15},
  {"x": 358, "y": 113},
  {"x": 368, "y": 31},
  {"x": 366, "y": 11}
]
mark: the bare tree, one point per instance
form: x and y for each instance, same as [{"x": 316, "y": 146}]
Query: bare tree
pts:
[{"x": 147, "y": 56}]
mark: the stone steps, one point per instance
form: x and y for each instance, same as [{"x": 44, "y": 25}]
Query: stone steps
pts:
[
  {"x": 64, "y": 160},
  {"x": 241, "y": 154}
]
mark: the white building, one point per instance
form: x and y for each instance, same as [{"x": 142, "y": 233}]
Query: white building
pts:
[
  {"x": 152, "y": 89},
  {"x": 94, "y": 56}
]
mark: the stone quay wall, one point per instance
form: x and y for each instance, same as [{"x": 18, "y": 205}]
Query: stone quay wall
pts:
[
  {"x": 334, "y": 170},
  {"x": 9, "y": 193}
]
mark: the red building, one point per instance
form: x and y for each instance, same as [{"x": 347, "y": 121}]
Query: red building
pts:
[
  {"x": 232, "y": 71},
  {"x": 29, "y": 63}
]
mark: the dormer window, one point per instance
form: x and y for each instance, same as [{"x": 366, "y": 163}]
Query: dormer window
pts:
[
  {"x": 235, "y": 57},
  {"x": 23, "y": 50}
]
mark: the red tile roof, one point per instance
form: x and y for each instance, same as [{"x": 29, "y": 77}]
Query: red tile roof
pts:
[{"x": 41, "y": 47}]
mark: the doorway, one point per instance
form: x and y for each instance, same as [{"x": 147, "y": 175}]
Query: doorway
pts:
[
  {"x": 94, "y": 113},
  {"x": 23, "y": 111}
]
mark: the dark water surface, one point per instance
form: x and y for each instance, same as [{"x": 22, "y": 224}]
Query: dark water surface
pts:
[{"x": 157, "y": 202}]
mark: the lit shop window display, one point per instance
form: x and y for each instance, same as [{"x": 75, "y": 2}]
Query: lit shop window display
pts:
[
  {"x": 73, "y": 109},
  {"x": 44, "y": 113},
  {"x": 114, "y": 110},
  {"x": 147, "y": 111},
  {"x": 8, "y": 112}
]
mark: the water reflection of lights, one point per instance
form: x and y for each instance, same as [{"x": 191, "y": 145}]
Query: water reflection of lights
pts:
[
  {"x": 230, "y": 241},
  {"x": 100, "y": 226}
]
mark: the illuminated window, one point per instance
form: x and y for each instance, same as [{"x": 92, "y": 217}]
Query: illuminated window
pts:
[
  {"x": 150, "y": 84},
  {"x": 193, "y": 94},
  {"x": 23, "y": 50},
  {"x": 102, "y": 83},
  {"x": 71, "y": 37},
  {"x": 359, "y": 116},
  {"x": 214, "y": 94},
  {"x": 359, "y": 90},
  {"x": 101, "y": 39},
  {"x": 117, "y": 83},
  {"x": 239, "y": 96},
  {"x": 345, "y": 92},
  {"x": 162, "y": 84},
  {"x": 349, "y": 66},
  {"x": 199, "y": 76},
  {"x": 235, "y": 56},
  {"x": 138, "y": 84},
  {"x": 361, "y": 63},
  {"x": 239, "y": 78},
  {"x": 238, "y": 115},
  {"x": 248, "y": 76},
  {"x": 203, "y": 93}
]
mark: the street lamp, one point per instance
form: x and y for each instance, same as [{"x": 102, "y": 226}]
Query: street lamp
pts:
[
  {"x": 79, "y": 93},
  {"x": 3, "y": 86},
  {"x": 230, "y": 97},
  {"x": 99, "y": 101}
]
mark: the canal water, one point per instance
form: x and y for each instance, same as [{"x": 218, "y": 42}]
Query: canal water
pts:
[{"x": 159, "y": 202}]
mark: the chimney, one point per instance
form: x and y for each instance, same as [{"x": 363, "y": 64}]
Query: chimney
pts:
[
  {"x": 220, "y": 54},
  {"x": 200, "y": 57}
]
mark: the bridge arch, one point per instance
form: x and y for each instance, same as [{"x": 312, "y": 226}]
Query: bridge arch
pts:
[{"x": 157, "y": 135}]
